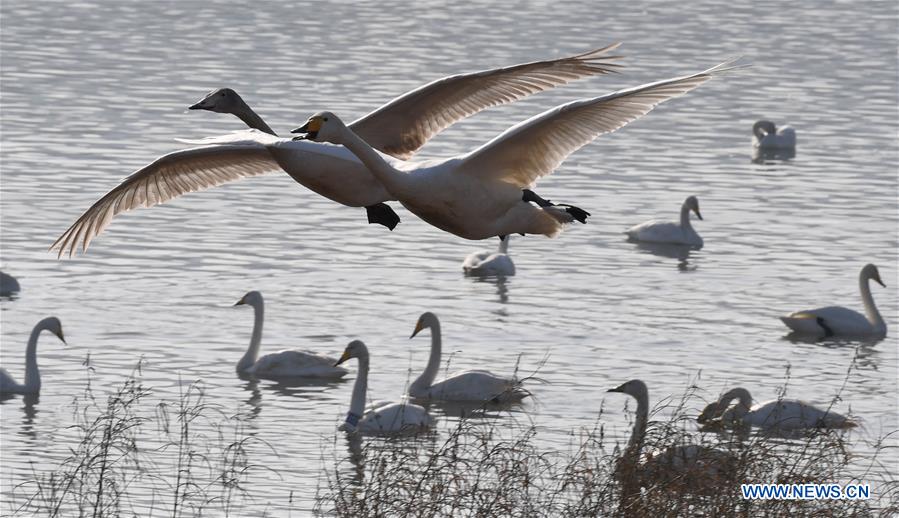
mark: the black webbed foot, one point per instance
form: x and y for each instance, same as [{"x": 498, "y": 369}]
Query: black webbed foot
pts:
[
  {"x": 502, "y": 238},
  {"x": 529, "y": 195},
  {"x": 382, "y": 214},
  {"x": 576, "y": 212}
]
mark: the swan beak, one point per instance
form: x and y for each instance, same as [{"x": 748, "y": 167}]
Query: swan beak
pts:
[
  {"x": 698, "y": 215},
  {"x": 61, "y": 337},
  {"x": 418, "y": 328},
  {"x": 239, "y": 303},
  {"x": 619, "y": 388},
  {"x": 201, "y": 105},
  {"x": 344, "y": 357},
  {"x": 310, "y": 129},
  {"x": 878, "y": 281}
]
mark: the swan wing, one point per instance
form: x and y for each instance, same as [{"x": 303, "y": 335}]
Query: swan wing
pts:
[
  {"x": 165, "y": 178},
  {"x": 476, "y": 385},
  {"x": 402, "y": 126},
  {"x": 791, "y": 414},
  {"x": 7, "y": 383},
  {"x": 292, "y": 363},
  {"x": 396, "y": 418},
  {"x": 537, "y": 146}
]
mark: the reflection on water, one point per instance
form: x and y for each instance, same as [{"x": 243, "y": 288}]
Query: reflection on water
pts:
[
  {"x": 764, "y": 156},
  {"x": 670, "y": 251}
]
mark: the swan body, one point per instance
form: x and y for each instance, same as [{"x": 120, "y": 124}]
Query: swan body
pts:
[
  {"x": 469, "y": 385},
  {"x": 670, "y": 232},
  {"x": 485, "y": 193},
  {"x": 398, "y": 129},
  {"x": 32, "y": 384},
  {"x": 490, "y": 264},
  {"x": 840, "y": 321},
  {"x": 781, "y": 414},
  {"x": 282, "y": 364},
  {"x": 381, "y": 418},
  {"x": 766, "y": 136},
  {"x": 8, "y": 285}
]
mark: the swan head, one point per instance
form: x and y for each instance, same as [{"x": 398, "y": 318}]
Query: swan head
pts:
[
  {"x": 222, "y": 100},
  {"x": 710, "y": 412},
  {"x": 692, "y": 203},
  {"x": 252, "y": 298},
  {"x": 321, "y": 127},
  {"x": 53, "y": 325},
  {"x": 870, "y": 272},
  {"x": 762, "y": 128},
  {"x": 425, "y": 321},
  {"x": 633, "y": 388},
  {"x": 355, "y": 349}
]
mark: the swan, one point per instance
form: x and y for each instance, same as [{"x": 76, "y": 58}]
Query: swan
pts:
[
  {"x": 32, "y": 383},
  {"x": 282, "y": 364},
  {"x": 8, "y": 285},
  {"x": 486, "y": 192},
  {"x": 398, "y": 128},
  {"x": 657, "y": 231},
  {"x": 780, "y": 414},
  {"x": 840, "y": 321},
  {"x": 381, "y": 418},
  {"x": 766, "y": 136},
  {"x": 470, "y": 385},
  {"x": 490, "y": 264},
  {"x": 692, "y": 462}
]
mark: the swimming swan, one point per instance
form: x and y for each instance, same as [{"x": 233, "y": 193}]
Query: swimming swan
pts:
[
  {"x": 766, "y": 136},
  {"x": 780, "y": 414},
  {"x": 470, "y": 385},
  {"x": 282, "y": 364},
  {"x": 840, "y": 321},
  {"x": 657, "y": 231},
  {"x": 673, "y": 463},
  {"x": 32, "y": 383},
  {"x": 382, "y": 418},
  {"x": 490, "y": 264},
  {"x": 8, "y": 285},
  {"x": 398, "y": 128},
  {"x": 486, "y": 192}
]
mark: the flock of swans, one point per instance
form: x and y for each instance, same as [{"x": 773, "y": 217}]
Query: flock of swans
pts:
[{"x": 483, "y": 193}]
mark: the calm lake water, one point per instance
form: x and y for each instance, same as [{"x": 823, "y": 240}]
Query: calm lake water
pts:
[{"x": 94, "y": 90}]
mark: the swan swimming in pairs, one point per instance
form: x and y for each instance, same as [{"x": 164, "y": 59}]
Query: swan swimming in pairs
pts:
[
  {"x": 490, "y": 264},
  {"x": 382, "y": 418},
  {"x": 766, "y": 136},
  {"x": 486, "y": 192},
  {"x": 670, "y": 232},
  {"x": 839, "y": 321},
  {"x": 778, "y": 415},
  {"x": 470, "y": 385},
  {"x": 282, "y": 364},
  {"x": 32, "y": 384},
  {"x": 398, "y": 129}
]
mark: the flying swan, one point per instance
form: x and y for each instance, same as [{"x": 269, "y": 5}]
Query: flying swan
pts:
[
  {"x": 398, "y": 128},
  {"x": 670, "y": 232},
  {"x": 487, "y": 263},
  {"x": 470, "y": 385},
  {"x": 32, "y": 383},
  {"x": 282, "y": 364},
  {"x": 382, "y": 418},
  {"x": 840, "y": 321},
  {"x": 777, "y": 415},
  {"x": 486, "y": 192}
]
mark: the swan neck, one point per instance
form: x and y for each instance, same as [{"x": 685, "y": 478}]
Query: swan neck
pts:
[
  {"x": 249, "y": 358},
  {"x": 742, "y": 395},
  {"x": 32, "y": 374},
  {"x": 426, "y": 379},
  {"x": 357, "y": 403},
  {"x": 252, "y": 119},
  {"x": 375, "y": 163},
  {"x": 685, "y": 217},
  {"x": 635, "y": 444},
  {"x": 871, "y": 311}
]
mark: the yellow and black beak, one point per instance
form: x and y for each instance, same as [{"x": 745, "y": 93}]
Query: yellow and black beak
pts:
[
  {"x": 418, "y": 327},
  {"x": 698, "y": 215},
  {"x": 61, "y": 336},
  {"x": 309, "y": 130},
  {"x": 619, "y": 388},
  {"x": 878, "y": 281},
  {"x": 344, "y": 357},
  {"x": 240, "y": 302}
]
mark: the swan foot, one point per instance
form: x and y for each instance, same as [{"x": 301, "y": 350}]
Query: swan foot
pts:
[
  {"x": 529, "y": 195},
  {"x": 576, "y": 212},
  {"x": 502, "y": 238},
  {"x": 382, "y": 214}
]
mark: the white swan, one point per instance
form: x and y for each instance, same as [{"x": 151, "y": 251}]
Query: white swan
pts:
[
  {"x": 779, "y": 414},
  {"x": 398, "y": 128},
  {"x": 8, "y": 285},
  {"x": 470, "y": 385},
  {"x": 32, "y": 383},
  {"x": 840, "y": 321},
  {"x": 282, "y": 364},
  {"x": 486, "y": 192},
  {"x": 381, "y": 418},
  {"x": 766, "y": 136},
  {"x": 671, "y": 232},
  {"x": 490, "y": 264},
  {"x": 675, "y": 462}
]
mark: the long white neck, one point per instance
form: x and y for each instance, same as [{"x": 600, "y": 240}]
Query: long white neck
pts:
[
  {"x": 251, "y": 118},
  {"x": 685, "y": 218},
  {"x": 635, "y": 444},
  {"x": 249, "y": 358},
  {"x": 357, "y": 403},
  {"x": 32, "y": 374},
  {"x": 423, "y": 383},
  {"x": 864, "y": 286},
  {"x": 384, "y": 172}
]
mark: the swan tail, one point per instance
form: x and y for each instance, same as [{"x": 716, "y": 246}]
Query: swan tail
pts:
[{"x": 805, "y": 323}]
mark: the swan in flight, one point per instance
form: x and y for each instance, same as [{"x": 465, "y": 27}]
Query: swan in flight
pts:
[
  {"x": 490, "y": 264},
  {"x": 766, "y": 136},
  {"x": 840, "y": 321},
  {"x": 670, "y": 232},
  {"x": 32, "y": 383},
  {"x": 381, "y": 418},
  {"x": 694, "y": 462},
  {"x": 470, "y": 385},
  {"x": 398, "y": 128},
  {"x": 780, "y": 414},
  {"x": 486, "y": 192},
  {"x": 282, "y": 364}
]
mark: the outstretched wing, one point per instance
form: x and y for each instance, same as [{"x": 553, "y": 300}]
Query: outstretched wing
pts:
[
  {"x": 403, "y": 125},
  {"x": 537, "y": 146},
  {"x": 167, "y": 177}
]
